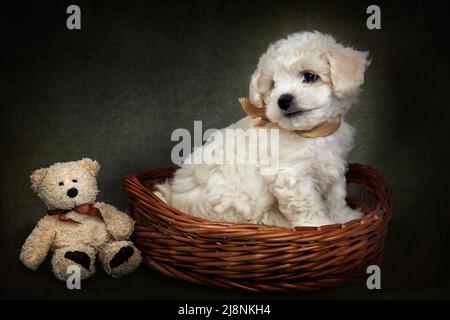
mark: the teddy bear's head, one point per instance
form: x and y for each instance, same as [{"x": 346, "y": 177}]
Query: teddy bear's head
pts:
[{"x": 68, "y": 184}]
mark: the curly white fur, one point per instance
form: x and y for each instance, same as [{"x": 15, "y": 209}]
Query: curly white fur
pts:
[{"x": 308, "y": 188}]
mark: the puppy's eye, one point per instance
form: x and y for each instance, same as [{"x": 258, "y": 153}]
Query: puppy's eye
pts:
[
  {"x": 310, "y": 77},
  {"x": 61, "y": 183},
  {"x": 74, "y": 180}
]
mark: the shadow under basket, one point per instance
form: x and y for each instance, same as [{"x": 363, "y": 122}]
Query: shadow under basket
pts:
[{"x": 258, "y": 257}]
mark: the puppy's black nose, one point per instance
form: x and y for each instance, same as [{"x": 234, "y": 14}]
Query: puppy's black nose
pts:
[
  {"x": 72, "y": 192},
  {"x": 285, "y": 101}
]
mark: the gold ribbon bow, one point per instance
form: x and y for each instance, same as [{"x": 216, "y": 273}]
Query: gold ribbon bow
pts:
[{"x": 323, "y": 129}]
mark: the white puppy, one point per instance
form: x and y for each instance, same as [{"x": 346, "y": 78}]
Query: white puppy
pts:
[{"x": 304, "y": 85}]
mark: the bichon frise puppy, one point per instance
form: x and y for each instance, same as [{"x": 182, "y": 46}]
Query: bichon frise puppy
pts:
[{"x": 303, "y": 86}]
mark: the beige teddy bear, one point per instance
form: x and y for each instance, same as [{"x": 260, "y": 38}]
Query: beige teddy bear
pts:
[{"x": 75, "y": 228}]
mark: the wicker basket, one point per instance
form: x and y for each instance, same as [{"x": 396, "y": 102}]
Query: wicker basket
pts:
[{"x": 257, "y": 257}]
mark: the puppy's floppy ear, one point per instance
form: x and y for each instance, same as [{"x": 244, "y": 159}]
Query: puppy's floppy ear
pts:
[
  {"x": 254, "y": 94},
  {"x": 91, "y": 166},
  {"x": 347, "y": 67},
  {"x": 260, "y": 84},
  {"x": 37, "y": 177}
]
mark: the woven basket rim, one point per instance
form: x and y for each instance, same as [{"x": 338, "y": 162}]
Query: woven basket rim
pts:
[{"x": 135, "y": 179}]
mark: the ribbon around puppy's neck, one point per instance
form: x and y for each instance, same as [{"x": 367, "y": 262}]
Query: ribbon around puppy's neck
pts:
[{"x": 323, "y": 129}]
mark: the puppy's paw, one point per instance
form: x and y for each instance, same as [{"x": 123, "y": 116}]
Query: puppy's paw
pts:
[
  {"x": 232, "y": 205},
  {"x": 283, "y": 187}
]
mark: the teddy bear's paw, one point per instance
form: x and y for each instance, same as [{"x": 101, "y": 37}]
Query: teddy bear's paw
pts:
[
  {"x": 81, "y": 256},
  {"x": 120, "y": 258}
]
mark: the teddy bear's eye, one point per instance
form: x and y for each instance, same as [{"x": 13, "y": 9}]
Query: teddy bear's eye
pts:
[
  {"x": 61, "y": 183},
  {"x": 75, "y": 180}
]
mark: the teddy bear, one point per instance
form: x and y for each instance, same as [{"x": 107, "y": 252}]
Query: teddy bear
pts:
[{"x": 76, "y": 228}]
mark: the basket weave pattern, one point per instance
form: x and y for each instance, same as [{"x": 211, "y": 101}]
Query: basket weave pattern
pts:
[{"x": 257, "y": 257}]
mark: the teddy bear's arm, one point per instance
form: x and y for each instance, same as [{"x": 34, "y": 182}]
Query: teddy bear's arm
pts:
[
  {"x": 118, "y": 223},
  {"x": 38, "y": 243}
]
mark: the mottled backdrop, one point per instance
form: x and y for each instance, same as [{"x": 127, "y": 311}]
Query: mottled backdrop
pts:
[{"x": 116, "y": 89}]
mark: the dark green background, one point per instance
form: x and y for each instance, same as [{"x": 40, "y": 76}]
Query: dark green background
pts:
[{"x": 116, "y": 89}]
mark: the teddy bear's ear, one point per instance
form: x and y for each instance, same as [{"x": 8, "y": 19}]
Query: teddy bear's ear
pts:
[
  {"x": 91, "y": 166},
  {"x": 37, "y": 177},
  {"x": 347, "y": 67}
]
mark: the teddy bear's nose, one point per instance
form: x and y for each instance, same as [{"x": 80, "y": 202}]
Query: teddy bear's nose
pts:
[{"x": 72, "y": 192}]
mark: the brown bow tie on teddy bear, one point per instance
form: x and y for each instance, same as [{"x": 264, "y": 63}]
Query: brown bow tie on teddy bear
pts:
[
  {"x": 87, "y": 208},
  {"x": 76, "y": 229}
]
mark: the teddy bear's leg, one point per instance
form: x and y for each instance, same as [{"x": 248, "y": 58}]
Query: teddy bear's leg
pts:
[
  {"x": 119, "y": 258},
  {"x": 78, "y": 255}
]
